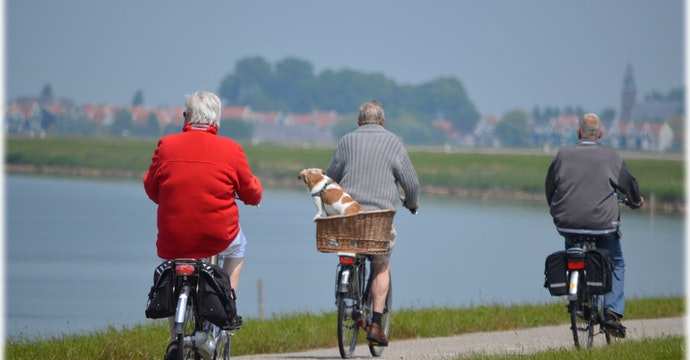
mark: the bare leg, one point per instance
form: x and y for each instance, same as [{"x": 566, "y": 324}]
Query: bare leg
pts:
[
  {"x": 233, "y": 267},
  {"x": 379, "y": 286}
]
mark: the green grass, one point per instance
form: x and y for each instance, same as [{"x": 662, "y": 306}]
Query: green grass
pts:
[
  {"x": 672, "y": 347},
  {"x": 467, "y": 170},
  {"x": 302, "y": 331}
]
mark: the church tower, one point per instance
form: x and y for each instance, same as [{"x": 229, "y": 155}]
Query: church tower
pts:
[{"x": 629, "y": 94}]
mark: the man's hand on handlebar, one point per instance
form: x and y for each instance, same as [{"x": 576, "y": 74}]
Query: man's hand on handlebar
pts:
[{"x": 413, "y": 210}]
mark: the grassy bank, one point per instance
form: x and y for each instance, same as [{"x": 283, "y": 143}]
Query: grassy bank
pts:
[
  {"x": 302, "y": 331},
  {"x": 511, "y": 174}
]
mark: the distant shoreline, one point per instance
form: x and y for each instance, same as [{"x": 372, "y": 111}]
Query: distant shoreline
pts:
[{"x": 664, "y": 207}]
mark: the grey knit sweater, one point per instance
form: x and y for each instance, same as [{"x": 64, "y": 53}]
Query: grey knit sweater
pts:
[
  {"x": 580, "y": 186},
  {"x": 371, "y": 164}
]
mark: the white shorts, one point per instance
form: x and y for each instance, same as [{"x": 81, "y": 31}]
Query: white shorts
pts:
[{"x": 236, "y": 248}]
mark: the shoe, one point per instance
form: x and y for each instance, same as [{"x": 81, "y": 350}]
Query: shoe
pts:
[
  {"x": 236, "y": 323},
  {"x": 612, "y": 322},
  {"x": 172, "y": 352},
  {"x": 376, "y": 335}
]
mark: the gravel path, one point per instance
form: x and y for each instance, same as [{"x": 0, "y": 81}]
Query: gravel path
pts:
[{"x": 516, "y": 342}]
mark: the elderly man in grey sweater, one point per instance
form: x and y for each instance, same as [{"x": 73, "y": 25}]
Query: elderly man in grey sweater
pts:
[
  {"x": 372, "y": 164},
  {"x": 580, "y": 188}
]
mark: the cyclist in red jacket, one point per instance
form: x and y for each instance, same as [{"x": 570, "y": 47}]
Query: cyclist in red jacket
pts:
[{"x": 196, "y": 177}]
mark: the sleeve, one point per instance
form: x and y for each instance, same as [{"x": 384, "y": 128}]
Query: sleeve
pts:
[
  {"x": 151, "y": 175},
  {"x": 627, "y": 184},
  {"x": 406, "y": 176},
  {"x": 248, "y": 186},
  {"x": 550, "y": 182}
]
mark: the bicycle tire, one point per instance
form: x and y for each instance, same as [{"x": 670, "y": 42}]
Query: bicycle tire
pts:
[
  {"x": 192, "y": 323},
  {"x": 222, "y": 339},
  {"x": 376, "y": 351},
  {"x": 582, "y": 320},
  {"x": 348, "y": 328}
]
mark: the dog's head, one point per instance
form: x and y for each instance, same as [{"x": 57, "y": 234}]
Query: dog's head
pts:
[{"x": 311, "y": 176}]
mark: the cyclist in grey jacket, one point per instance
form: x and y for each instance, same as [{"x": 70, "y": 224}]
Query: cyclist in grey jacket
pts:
[
  {"x": 371, "y": 163},
  {"x": 580, "y": 187}
]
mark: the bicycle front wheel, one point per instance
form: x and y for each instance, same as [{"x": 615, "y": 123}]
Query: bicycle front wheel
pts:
[
  {"x": 348, "y": 329},
  {"x": 385, "y": 320}
]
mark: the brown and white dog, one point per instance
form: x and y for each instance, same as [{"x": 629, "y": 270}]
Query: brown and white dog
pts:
[{"x": 328, "y": 196}]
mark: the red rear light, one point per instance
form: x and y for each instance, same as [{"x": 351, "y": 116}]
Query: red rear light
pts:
[
  {"x": 347, "y": 260},
  {"x": 184, "y": 269},
  {"x": 576, "y": 265}
]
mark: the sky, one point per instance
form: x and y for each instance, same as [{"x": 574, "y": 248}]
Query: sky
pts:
[{"x": 507, "y": 54}]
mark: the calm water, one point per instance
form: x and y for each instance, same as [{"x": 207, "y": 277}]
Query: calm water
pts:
[{"x": 80, "y": 254}]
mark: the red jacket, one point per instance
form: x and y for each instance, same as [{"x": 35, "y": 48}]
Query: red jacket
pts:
[{"x": 193, "y": 177}]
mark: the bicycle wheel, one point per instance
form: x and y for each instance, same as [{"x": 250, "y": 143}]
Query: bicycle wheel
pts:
[
  {"x": 348, "y": 329},
  {"x": 185, "y": 338},
  {"x": 385, "y": 320},
  {"x": 222, "y": 339},
  {"x": 582, "y": 321}
]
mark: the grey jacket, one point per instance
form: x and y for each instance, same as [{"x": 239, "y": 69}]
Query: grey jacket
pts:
[
  {"x": 370, "y": 163},
  {"x": 580, "y": 186}
]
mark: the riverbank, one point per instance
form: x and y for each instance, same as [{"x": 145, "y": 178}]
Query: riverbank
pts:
[{"x": 283, "y": 182}]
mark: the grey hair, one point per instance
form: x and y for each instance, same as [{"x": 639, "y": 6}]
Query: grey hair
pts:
[
  {"x": 371, "y": 112},
  {"x": 590, "y": 126},
  {"x": 203, "y": 108}
]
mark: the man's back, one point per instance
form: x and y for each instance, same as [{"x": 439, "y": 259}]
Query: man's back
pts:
[{"x": 581, "y": 184}]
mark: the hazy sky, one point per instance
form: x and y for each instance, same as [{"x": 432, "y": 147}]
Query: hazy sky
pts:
[{"x": 507, "y": 54}]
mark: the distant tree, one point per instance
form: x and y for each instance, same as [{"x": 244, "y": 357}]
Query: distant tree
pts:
[
  {"x": 236, "y": 129},
  {"x": 138, "y": 99},
  {"x": 345, "y": 125},
  {"x": 513, "y": 129},
  {"x": 153, "y": 127},
  {"x": 291, "y": 84},
  {"x": 607, "y": 115},
  {"x": 122, "y": 125},
  {"x": 47, "y": 91},
  {"x": 446, "y": 96}
]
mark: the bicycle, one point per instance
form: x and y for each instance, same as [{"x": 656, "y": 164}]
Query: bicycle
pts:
[
  {"x": 586, "y": 309},
  {"x": 197, "y": 338},
  {"x": 567, "y": 274},
  {"x": 355, "y": 303},
  {"x": 353, "y": 238}
]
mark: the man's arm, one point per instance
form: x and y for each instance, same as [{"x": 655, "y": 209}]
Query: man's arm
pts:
[
  {"x": 550, "y": 183},
  {"x": 627, "y": 184}
]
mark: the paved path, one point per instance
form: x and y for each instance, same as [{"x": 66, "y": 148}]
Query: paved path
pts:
[{"x": 515, "y": 342}]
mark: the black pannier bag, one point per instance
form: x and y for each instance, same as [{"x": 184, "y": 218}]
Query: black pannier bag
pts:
[
  {"x": 161, "y": 302},
  {"x": 216, "y": 296},
  {"x": 556, "y": 273},
  {"x": 598, "y": 271}
]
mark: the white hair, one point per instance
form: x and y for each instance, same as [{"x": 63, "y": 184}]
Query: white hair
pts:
[{"x": 203, "y": 108}]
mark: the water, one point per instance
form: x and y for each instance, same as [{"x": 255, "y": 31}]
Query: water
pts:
[{"x": 80, "y": 255}]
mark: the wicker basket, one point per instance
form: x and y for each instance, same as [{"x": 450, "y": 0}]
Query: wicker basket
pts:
[{"x": 367, "y": 232}]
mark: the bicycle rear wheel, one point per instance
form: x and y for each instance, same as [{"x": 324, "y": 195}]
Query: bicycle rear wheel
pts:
[
  {"x": 582, "y": 321},
  {"x": 192, "y": 323},
  {"x": 348, "y": 328},
  {"x": 222, "y": 339},
  {"x": 385, "y": 320}
]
